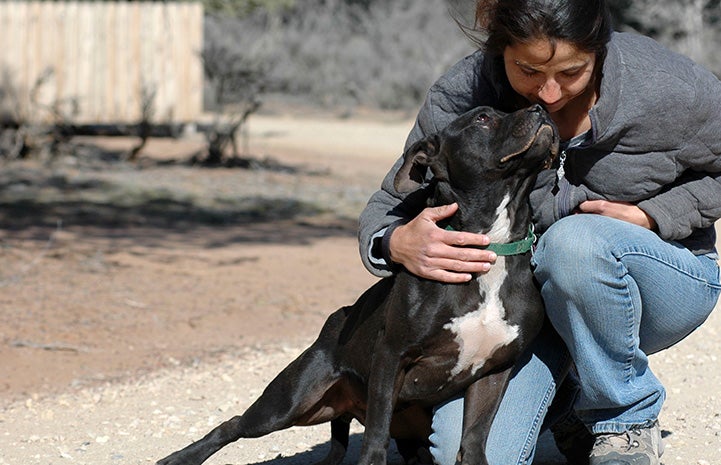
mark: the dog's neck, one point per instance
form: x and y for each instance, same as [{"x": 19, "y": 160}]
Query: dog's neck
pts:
[{"x": 503, "y": 215}]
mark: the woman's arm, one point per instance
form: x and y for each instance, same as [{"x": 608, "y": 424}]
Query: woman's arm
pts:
[
  {"x": 694, "y": 201},
  {"x": 397, "y": 229}
]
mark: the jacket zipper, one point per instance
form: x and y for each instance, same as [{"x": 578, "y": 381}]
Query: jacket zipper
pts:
[{"x": 561, "y": 171}]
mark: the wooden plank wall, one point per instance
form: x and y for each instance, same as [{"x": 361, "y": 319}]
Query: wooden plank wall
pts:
[{"x": 104, "y": 55}]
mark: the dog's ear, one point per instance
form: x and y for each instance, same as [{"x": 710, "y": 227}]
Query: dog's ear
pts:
[{"x": 415, "y": 161}]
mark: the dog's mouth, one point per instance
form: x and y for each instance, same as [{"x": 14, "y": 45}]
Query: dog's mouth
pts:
[{"x": 553, "y": 150}]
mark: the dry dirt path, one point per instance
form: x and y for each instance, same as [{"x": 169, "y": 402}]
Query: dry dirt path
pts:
[{"x": 121, "y": 344}]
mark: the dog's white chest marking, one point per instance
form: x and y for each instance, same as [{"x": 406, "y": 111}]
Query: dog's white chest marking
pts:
[
  {"x": 481, "y": 332},
  {"x": 501, "y": 228}
]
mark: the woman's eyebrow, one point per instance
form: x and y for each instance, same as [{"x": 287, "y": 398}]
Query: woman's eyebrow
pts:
[
  {"x": 577, "y": 66},
  {"x": 525, "y": 65},
  {"x": 573, "y": 67}
]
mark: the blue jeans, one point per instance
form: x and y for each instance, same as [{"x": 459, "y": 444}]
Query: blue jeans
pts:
[{"x": 614, "y": 293}]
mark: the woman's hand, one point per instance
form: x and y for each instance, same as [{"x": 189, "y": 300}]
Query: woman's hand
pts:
[
  {"x": 430, "y": 252},
  {"x": 620, "y": 210}
]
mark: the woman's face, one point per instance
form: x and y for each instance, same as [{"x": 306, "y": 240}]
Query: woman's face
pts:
[{"x": 547, "y": 78}]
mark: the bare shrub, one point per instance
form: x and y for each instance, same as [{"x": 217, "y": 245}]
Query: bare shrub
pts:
[
  {"x": 144, "y": 128},
  {"x": 691, "y": 27},
  {"x": 386, "y": 53},
  {"x": 381, "y": 54},
  {"x": 235, "y": 80},
  {"x": 29, "y": 126}
]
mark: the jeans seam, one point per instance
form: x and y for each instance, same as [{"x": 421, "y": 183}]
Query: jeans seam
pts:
[
  {"x": 615, "y": 427},
  {"x": 669, "y": 264},
  {"x": 630, "y": 318},
  {"x": 538, "y": 418},
  {"x": 630, "y": 313},
  {"x": 529, "y": 443}
]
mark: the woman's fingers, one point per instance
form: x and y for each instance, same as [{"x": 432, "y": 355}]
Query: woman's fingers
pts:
[{"x": 434, "y": 253}]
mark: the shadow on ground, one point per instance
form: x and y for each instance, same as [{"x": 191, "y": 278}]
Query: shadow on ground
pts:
[
  {"x": 546, "y": 454},
  {"x": 35, "y": 200}
]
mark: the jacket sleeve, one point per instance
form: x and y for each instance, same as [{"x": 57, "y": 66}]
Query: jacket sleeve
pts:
[
  {"x": 459, "y": 90},
  {"x": 694, "y": 201},
  {"x": 387, "y": 208}
]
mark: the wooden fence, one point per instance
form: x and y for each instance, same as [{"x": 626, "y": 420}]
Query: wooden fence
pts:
[{"x": 107, "y": 58}]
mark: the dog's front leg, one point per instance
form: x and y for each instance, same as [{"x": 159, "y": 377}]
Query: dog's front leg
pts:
[
  {"x": 481, "y": 403},
  {"x": 384, "y": 383}
]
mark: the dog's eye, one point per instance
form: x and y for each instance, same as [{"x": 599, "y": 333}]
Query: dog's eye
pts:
[{"x": 483, "y": 120}]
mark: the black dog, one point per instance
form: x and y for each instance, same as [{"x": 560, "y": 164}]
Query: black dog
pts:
[{"x": 409, "y": 343}]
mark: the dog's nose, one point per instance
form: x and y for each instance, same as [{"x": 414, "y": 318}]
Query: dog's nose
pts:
[{"x": 535, "y": 109}]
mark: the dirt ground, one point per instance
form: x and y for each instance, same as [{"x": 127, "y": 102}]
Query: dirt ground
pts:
[
  {"x": 142, "y": 304},
  {"x": 110, "y": 270}
]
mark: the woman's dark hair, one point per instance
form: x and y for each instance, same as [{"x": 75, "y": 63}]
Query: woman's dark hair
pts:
[{"x": 584, "y": 23}]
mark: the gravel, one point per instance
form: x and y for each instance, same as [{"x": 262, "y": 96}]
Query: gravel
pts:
[{"x": 143, "y": 418}]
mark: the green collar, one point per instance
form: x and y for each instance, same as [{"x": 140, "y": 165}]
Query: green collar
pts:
[{"x": 512, "y": 248}]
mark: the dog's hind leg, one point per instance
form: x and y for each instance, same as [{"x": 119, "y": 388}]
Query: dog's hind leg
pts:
[
  {"x": 414, "y": 451},
  {"x": 302, "y": 394},
  {"x": 340, "y": 431}
]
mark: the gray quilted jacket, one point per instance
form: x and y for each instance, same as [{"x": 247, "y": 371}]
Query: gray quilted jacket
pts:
[{"x": 655, "y": 141}]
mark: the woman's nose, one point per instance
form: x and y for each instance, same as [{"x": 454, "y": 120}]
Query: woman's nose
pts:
[{"x": 549, "y": 92}]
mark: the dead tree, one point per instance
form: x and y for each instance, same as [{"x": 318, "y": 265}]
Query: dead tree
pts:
[
  {"x": 237, "y": 83},
  {"x": 144, "y": 128},
  {"x": 31, "y": 127}
]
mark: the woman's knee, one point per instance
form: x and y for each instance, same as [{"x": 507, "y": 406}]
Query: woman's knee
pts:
[{"x": 572, "y": 244}]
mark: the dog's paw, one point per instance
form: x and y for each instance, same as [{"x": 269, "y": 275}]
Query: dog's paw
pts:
[
  {"x": 373, "y": 458},
  {"x": 172, "y": 459}
]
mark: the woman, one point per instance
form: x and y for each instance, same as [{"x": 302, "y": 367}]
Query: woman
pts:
[{"x": 626, "y": 260}]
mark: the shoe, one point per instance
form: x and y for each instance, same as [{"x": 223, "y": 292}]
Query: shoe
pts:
[
  {"x": 574, "y": 441},
  {"x": 637, "y": 446}
]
